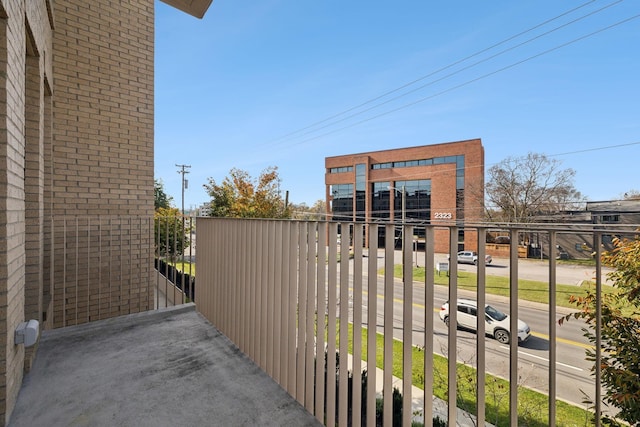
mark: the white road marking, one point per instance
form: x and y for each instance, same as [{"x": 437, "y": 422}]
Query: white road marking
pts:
[{"x": 545, "y": 359}]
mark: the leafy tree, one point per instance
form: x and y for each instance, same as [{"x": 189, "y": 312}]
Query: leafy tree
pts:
[
  {"x": 240, "y": 196},
  {"x": 161, "y": 198},
  {"x": 620, "y": 358},
  {"x": 519, "y": 188},
  {"x": 170, "y": 233}
]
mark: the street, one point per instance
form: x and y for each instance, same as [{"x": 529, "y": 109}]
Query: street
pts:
[{"x": 573, "y": 377}]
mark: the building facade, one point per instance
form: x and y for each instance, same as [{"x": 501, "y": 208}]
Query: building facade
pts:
[
  {"x": 76, "y": 166},
  {"x": 610, "y": 214},
  {"x": 429, "y": 184}
]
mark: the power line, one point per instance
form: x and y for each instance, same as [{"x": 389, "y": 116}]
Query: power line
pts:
[
  {"x": 316, "y": 124},
  {"x": 482, "y": 77},
  {"x": 458, "y": 71},
  {"x": 586, "y": 150},
  {"x": 468, "y": 67}
]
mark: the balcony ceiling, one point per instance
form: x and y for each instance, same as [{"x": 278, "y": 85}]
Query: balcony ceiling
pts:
[
  {"x": 196, "y": 8},
  {"x": 169, "y": 367}
]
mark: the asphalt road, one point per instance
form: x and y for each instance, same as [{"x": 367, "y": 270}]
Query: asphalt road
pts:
[{"x": 573, "y": 377}]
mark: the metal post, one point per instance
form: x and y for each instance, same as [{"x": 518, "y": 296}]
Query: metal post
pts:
[
  {"x": 183, "y": 170},
  {"x": 404, "y": 215}
]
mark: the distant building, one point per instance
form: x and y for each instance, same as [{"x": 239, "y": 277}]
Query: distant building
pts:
[
  {"x": 204, "y": 210},
  {"x": 440, "y": 182},
  {"x": 574, "y": 245}
]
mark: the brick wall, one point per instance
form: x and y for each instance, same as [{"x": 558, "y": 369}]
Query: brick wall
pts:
[
  {"x": 102, "y": 157},
  {"x": 443, "y": 180},
  {"x": 74, "y": 144},
  {"x": 12, "y": 257}
]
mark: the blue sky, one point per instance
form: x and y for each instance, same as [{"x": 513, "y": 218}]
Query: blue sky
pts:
[{"x": 266, "y": 83}]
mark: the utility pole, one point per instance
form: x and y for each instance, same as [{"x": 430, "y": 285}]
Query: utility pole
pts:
[{"x": 183, "y": 170}]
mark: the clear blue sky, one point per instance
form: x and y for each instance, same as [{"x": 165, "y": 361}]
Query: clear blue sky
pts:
[{"x": 250, "y": 85}]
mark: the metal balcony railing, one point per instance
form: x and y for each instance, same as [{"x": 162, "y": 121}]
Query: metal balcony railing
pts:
[
  {"x": 285, "y": 291},
  {"x": 96, "y": 267}
]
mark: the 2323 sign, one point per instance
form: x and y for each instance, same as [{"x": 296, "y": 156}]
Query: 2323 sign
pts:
[{"x": 442, "y": 215}]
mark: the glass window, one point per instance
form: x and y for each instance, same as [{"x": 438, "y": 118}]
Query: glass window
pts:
[
  {"x": 361, "y": 170},
  {"x": 380, "y": 200},
  {"x": 341, "y": 169},
  {"x": 342, "y": 203},
  {"x": 610, "y": 218},
  {"x": 494, "y": 313},
  {"x": 450, "y": 159},
  {"x": 382, "y": 165},
  {"x": 361, "y": 187},
  {"x": 417, "y": 200}
]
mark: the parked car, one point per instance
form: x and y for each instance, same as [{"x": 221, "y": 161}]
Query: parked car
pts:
[
  {"x": 496, "y": 322},
  {"x": 471, "y": 257}
]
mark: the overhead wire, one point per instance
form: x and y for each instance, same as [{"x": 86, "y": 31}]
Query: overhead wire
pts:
[
  {"x": 468, "y": 82},
  {"x": 410, "y": 83},
  {"x": 307, "y": 129},
  {"x": 456, "y": 72}
]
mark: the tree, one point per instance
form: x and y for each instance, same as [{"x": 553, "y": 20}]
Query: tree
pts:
[
  {"x": 632, "y": 195},
  {"x": 519, "y": 188},
  {"x": 161, "y": 198},
  {"x": 317, "y": 212},
  {"x": 620, "y": 358},
  {"x": 170, "y": 233},
  {"x": 241, "y": 196}
]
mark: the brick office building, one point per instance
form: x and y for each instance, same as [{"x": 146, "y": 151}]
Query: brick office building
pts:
[{"x": 441, "y": 183}]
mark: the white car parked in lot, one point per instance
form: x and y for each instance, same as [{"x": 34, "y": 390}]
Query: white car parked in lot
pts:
[
  {"x": 471, "y": 257},
  {"x": 496, "y": 322}
]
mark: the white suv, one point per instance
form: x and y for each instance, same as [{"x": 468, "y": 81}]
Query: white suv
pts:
[{"x": 496, "y": 322}]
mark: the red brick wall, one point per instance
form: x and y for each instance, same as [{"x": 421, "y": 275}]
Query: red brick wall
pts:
[{"x": 443, "y": 179}]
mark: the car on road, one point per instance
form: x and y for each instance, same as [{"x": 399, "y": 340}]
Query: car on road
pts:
[
  {"x": 497, "y": 323},
  {"x": 471, "y": 257}
]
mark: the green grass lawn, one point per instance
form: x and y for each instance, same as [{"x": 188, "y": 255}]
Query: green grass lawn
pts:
[
  {"x": 186, "y": 267},
  {"x": 529, "y": 290},
  {"x": 532, "y": 406}
]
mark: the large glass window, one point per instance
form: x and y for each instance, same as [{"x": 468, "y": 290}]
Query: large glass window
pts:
[
  {"x": 417, "y": 200},
  {"x": 342, "y": 202},
  {"x": 380, "y": 200},
  {"x": 341, "y": 169},
  {"x": 361, "y": 188},
  {"x": 458, "y": 160}
]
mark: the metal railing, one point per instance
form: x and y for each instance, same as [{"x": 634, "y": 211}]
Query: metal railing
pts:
[
  {"x": 278, "y": 289},
  {"x": 174, "y": 238},
  {"x": 96, "y": 267}
]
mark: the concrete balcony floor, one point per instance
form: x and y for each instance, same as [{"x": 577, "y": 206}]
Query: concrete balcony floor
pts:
[{"x": 168, "y": 367}]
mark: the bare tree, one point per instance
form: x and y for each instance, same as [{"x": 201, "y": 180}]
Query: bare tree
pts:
[
  {"x": 519, "y": 188},
  {"x": 317, "y": 212},
  {"x": 631, "y": 195}
]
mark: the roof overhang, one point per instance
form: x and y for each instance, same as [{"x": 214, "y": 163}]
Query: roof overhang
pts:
[{"x": 195, "y": 8}]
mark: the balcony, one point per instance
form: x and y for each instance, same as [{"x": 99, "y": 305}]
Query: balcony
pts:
[
  {"x": 272, "y": 295},
  {"x": 167, "y": 367}
]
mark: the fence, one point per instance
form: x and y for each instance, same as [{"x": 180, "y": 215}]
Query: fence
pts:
[
  {"x": 280, "y": 290},
  {"x": 98, "y": 267}
]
